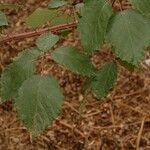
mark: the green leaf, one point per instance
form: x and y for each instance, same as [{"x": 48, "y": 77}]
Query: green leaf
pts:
[
  {"x": 93, "y": 24},
  {"x": 52, "y": 17},
  {"x": 3, "y": 19},
  {"x": 46, "y": 41},
  {"x": 73, "y": 60},
  {"x": 104, "y": 79},
  {"x": 142, "y": 5},
  {"x": 79, "y": 8},
  {"x": 10, "y": 6},
  {"x": 56, "y": 3},
  {"x": 16, "y": 73},
  {"x": 40, "y": 17},
  {"x": 62, "y": 18},
  {"x": 88, "y": 82},
  {"x": 39, "y": 102},
  {"x": 28, "y": 54},
  {"x": 129, "y": 34}
]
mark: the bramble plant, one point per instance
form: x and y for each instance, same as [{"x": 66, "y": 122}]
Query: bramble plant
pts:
[{"x": 38, "y": 98}]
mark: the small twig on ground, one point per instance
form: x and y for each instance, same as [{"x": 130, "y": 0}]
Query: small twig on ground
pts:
[
  {"x": 140, "y": 134},
  {"x": 138, "y": 92},
  {"x": 132, "y": 108},
  {"x": 71, "y": 107},
  {"x": 72, "y": 128},
  {"x": 91, "y": 114},
  {"x": 47, "y": 140},
  {"x": 118, "y": 126},
  {"x": 12, "y": 129},
  {"x": 112, "y": 115}
]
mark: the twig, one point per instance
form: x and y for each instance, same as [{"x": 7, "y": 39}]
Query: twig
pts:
[
  {"x": 71, "y": 107},
  {"x": 47, "y": 140},
  {"x": 112, "y": 114},
  {"x": 132, "y": 108},
  {"x": 72, "y": 128},
  {"x": 138, "y": 92},
  {"x": 20, "y": 36},
  {"x": 12, "y": 129},
  {"x": 119, "y": 125},
  {"x": 140, "y": 134},
  {"x": 91, "y": 114}
]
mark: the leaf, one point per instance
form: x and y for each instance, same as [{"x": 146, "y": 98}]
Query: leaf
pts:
[
  {"x": 40, "y": 17},
  {"x": 88, "y": 82},
  {"x": 39, "y": 102},
  {"x": 142, "y": 5},
  {"x": 73, "y": 60},
  {"x": 10, "y": 6},
  {"x": 52, "y": 16},
  {"x": 56, "y": 3},
  {"x": 16, "y": 73},
  {"x": 93, "y": 24},
  {"x": 46, "y": 41},
  {"x": 28, "y": 54},
  {"x": 3, "y": 19},
  {"x": 79, "y": 8},
  {"x": 104, "y": 79},
  {"x": 129, "y": 34},
  {"x": 62, "y": 19}
]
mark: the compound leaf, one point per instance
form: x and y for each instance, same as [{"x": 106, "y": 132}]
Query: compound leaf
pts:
[
  {"x": 3, "y": 19},
  {"x": 16, "y": 73},
  {"x": 142, "y": 5},
  {"x": 104, "y": 79},
  {"x": 129, "y": 34},
  {"x": 56, "y": 3},
  {"x": 39, "y": 102},
  {"x": 46, "y": 41},
  {"x": 72, "y": 59},
  {"x": 93, "y": 24}
]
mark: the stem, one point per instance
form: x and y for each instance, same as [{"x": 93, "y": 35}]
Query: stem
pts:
[{"x": 54, "y": 29}]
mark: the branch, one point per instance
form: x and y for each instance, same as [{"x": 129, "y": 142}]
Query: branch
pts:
[
  {"x": 140, "y": 134},
  {"x": 20, "y": 36}
]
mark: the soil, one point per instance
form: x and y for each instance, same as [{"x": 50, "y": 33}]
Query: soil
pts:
[{"x": 120, "y": 121}]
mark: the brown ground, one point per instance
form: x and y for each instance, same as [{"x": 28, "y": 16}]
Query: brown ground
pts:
[{"x": 119, "y": 121}]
